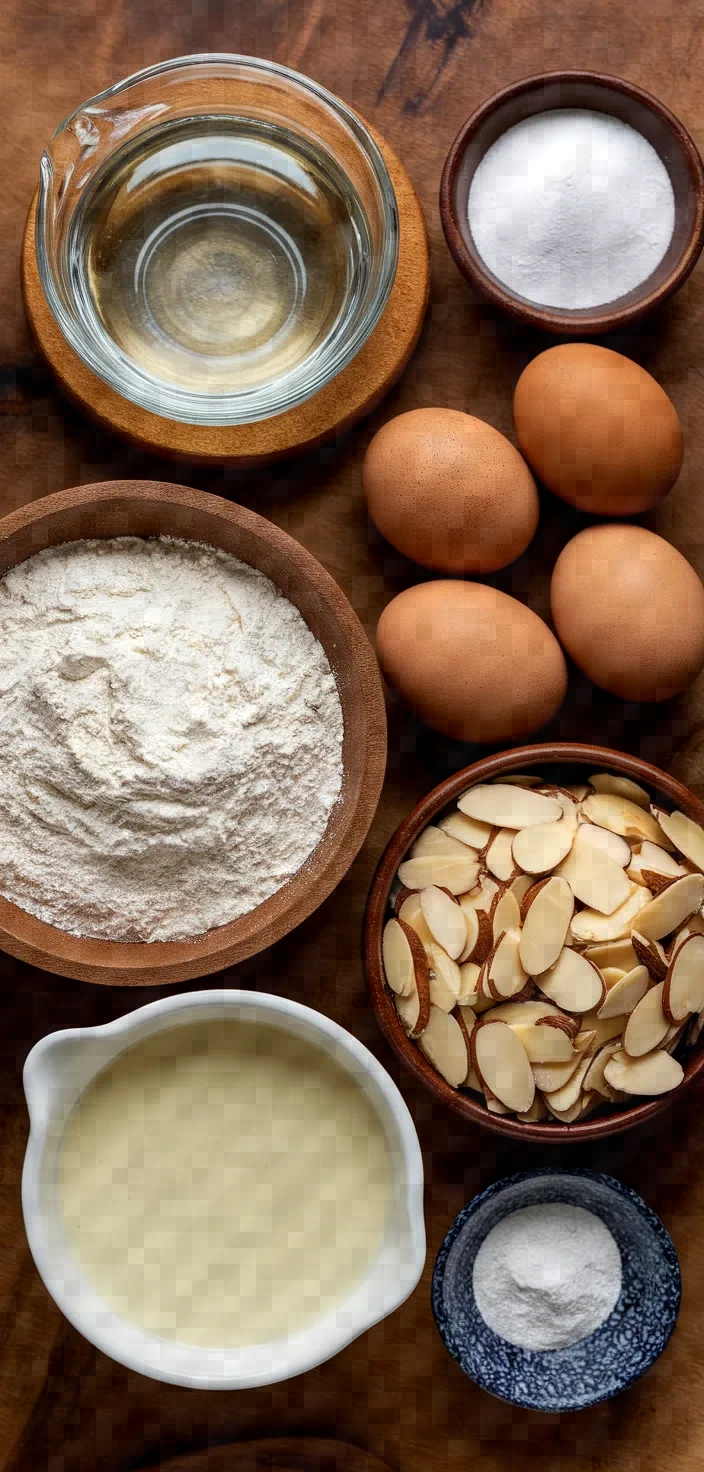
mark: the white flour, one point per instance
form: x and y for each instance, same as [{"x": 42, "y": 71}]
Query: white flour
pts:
[
  {"x": 546, "y": 1276},
  {"x": 571, "y": 208},
  {"x": 171, "y": 738}
]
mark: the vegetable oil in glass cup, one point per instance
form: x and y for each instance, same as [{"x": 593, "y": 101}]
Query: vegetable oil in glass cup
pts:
[{"x": 217, "y": 237}]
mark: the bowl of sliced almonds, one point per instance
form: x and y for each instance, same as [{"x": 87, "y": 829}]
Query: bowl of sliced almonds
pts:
[{"x": 534, "y": 941}]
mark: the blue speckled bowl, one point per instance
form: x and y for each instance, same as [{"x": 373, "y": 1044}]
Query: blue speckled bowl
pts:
[{"x": 607, "y": 1361}]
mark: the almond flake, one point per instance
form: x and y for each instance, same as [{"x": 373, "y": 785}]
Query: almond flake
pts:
[
  {"x": 651, "y": 954},
  {"x": 621, "y": 816},
  {"x": 686, "y": 835},
  {"x": 546, "y": 923},
  {"x": 621, "y": 787},
  {"x": 456, "y": 874},
  {"x": 435, "y": 841},
  {"x": 619, "y": 953},
  {"x": 655, "y": 860},
  {"x": 507, "y": 914},
  {"x": 605, "y": 1028},
  {"x": 592, "y": 926},
  {"x": 594, "y": 1080},
  {"x": 401, "y": 951},
  {"x": 647, "y": 1026},
  {"x": 573, "y": 982},
  {"x": 473, "y": 835},
  {"x": 602, "y": 838},
  {"x": 444, "y": 1046},
  {"x": 545, "y": 1046},
  {"x": 540, "y": 848},
  {"x": 563, "y": 1099},
  {"x": 445, "y": 920},
  {"x": 537, "y": 1113},
  {"x": 594, "y": 876},
  {"x": 507, "y": 806},
  {"x": 578, "y": 790},
  {"x": 469, "y": 984},
  {"x": 654, "y": 881},
  {"x": 499, "y": 855},
  {"x": 654, "y": 1073},
  {"x": 411, "y": 914},
  {"x": 502, "y": 1064},
  {"x": 466, "y": 1020},
  {"x": 625, "y": 996},
  {"x": 669, "y": 909},
  {"x": 471, "y": 921},
  {"x": 444, "y": 978},
  {"x": 684, "y": 983},
  {"x": 505, "y": 973},
  {"x": 519, "y": 887},
  {"x": 611, "y": 975},
  {"x": 549, "y": 1077},
  {"x": 483, "y": 896},
  {"x": 484, "y": 934}
]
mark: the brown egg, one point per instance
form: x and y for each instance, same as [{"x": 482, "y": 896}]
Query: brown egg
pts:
[
  {"x": 597, "y": 429},
  {"x": 630, "y": 610},
  {"x": 471, "y": 662},
  {"x": 449, "y": 491}
]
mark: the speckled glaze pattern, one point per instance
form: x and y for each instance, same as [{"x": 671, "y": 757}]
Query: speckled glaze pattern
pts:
[{"x": 607, "y": 1361}]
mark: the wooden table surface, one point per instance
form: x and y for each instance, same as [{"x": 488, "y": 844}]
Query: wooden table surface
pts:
[{"x": 416, "y": 68}]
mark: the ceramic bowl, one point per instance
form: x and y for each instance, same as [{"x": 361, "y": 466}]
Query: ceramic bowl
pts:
[
  {"x": 598, "y": 93},
  {"x": 572, "y": 762},
  {"x": 57, "y": 1071},
  {"x": 151, "y": 508},
  {"x": 606, "y": 1362}
]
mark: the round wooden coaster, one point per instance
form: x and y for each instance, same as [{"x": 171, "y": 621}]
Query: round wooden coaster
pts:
[{"x": 340, "y": 404}]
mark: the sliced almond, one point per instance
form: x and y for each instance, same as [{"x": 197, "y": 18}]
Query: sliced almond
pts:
[
  {"x": 479, "y": 929},
  {"x": 684, "y": 983},
  {"x": 414, "y": 1009},
  {"x": 654, "y": 881},
  {"x": 568, "y": 1116},
  {"x": 574, "y": 982},
  {"x": 505, "y": 974},
  {"x": 526, "y": 1012},
  {"x": 625, "y": 996},
  {"x": 592, "y": 926},
  {"x": 694, "y": 926},
  {"x": 401, "y": 953},
  {"x": 578, "y": 790},
  {"x": 563, "y": 1099},
  {"x": 471, "y": 922},
  {"x": 608, "y": 810},
  {"x": 655, "y": 860},
  {"x": 545, "y": 1046},
  {"x": 670, "y": 909},
  {"x": 549, "y": 1077},
  {"x": 435, "y": 841},
  {"x": 537, "y": 1113},
  {"x": 621, "y": 787},
  {"x": 674, "y": 1037},
  {"x": 472, "y": 1081},
  {"x": 611, "y": 975},
  {"x": 617, "y": 953},
  {"x": 499, "y": 855},
  {"x": 483, "y": 896},
  {"x": 444, "y": 1046},
  {"x": 505, "y": 805},
  {"x": 617, "y": 848},
  {"x": 469, "y": 984},
  {"x": 506, "y": 914},
  {"x": 594, "y": 876},
  {"x": 531, "y": 894},
  {"x": 519, "y": 887},
  {"x": 651, "y": 954},
  {"x": 594, "y": 1080},
  {"x": 493, "y": 1104},
  {"x": 466, "y": 1020},
  {"x": 448, "y": 872},
  {"x": 686, "y": 835},
  {"x": 443, "y": 977},
  {"x": 473, "y": 835},
  {"x": 445, "y": 920},
  {"x": 502, "y": 1064},
  {"x": 411, "y": 914},
  {"x": 399, "y": 895},
  {"x": 605, "y": 1028},
  {"x": 647, "y": 1025},
  {"x": 540, "y": 848},
  {"x": 654, "y": 1073},
  {"x": 545, "y": 927}
]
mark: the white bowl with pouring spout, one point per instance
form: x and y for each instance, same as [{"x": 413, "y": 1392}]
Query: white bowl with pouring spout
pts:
[{"x": 58, "y": 1070}]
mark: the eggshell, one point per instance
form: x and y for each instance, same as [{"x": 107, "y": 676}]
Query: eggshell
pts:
[
  {"x": 629, "y": 609},
  {"x": 449, "y": 491},
  {"x": 472, "y": 662},
  {"x": 597, "y": 429}
]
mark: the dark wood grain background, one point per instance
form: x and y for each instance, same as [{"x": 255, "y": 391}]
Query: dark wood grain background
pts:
[{"x": 416, "y": 68}]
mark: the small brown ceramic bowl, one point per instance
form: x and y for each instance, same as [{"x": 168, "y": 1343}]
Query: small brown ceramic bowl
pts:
[
  {"x": 148, "y": 509},
  {"x": 597, "y": 93},
  {"x": 573, "y": 762}
]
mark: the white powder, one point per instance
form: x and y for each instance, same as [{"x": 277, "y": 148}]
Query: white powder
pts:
[
  {"x": 546, "y": 1276},
  {"x": 171, "y": 738},
  {"x": 571, "y": 208}
]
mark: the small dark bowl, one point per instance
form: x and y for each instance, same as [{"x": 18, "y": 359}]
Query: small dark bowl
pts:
[
  {"x": 569, "y": 757},
  {"x": 606, "y": 1362},
  {"x": 598, "y": 93}
]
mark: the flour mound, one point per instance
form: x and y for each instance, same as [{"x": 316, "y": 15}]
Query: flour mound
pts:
[{"x": 171, "y": 738}]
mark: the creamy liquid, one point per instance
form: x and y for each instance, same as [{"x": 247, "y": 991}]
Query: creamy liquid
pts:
[{"x": 224, "y": 1183}]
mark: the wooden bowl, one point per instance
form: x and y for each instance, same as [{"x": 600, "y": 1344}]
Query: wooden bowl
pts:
[
  {"x": 525, "y": 758},
  {"x": 152, "y": 508},
  {"x": 599, "y": 93}
]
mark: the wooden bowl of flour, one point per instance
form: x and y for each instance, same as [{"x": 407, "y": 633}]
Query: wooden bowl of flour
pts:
[{"x": 150, "y": 509}]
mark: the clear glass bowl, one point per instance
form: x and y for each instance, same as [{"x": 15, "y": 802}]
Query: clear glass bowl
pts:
[{"x": 217, "y": 237}]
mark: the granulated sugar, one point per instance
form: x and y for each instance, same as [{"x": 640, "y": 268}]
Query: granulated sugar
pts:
[
  {"x": 171, "y": 736},
  {"x": 571, "y": 208}
]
